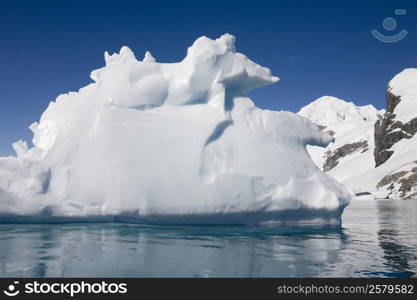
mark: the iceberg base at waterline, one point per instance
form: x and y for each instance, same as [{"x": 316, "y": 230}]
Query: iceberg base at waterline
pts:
[{"x": 170, "y": 144}]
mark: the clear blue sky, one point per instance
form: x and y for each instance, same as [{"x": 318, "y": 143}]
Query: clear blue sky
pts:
[{"x": 316, "y": 47}]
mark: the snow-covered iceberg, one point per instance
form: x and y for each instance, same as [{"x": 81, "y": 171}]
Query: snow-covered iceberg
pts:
[{"x": 170, "y": 143}]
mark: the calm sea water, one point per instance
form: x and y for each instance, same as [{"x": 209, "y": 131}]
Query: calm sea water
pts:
[{"x": 377, "y": 238}]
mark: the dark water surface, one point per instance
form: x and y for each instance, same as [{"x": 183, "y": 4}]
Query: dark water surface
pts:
[{"x": 377, "y": 239}]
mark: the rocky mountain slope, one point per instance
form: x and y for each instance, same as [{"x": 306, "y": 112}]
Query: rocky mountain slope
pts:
[
  {"x": 374, "y": 152},
  {"x": 400, "y": 120}
]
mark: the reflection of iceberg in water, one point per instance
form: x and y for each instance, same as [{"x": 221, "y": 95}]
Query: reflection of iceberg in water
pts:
[
  {"x": 400, "y": 258},
  {"x": 377, "y": 239},
  {"x": 129, "y": 250}
]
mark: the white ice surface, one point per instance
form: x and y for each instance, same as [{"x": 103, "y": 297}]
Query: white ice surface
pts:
[{"x": 174, "y": 143}]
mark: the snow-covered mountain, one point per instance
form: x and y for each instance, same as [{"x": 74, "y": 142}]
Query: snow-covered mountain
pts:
[
  {"x": 352, "y": 128},
  {"x": 374, "y": 152},
  {"x": 176, "y": 143}
]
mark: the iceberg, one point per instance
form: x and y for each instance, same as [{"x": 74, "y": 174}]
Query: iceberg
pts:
[{"x": 170, "y": 144}]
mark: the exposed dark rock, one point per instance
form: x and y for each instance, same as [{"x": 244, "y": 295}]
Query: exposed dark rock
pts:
[
  {"x": 402, "y": 184},
  {"x": 362, "y": 194},
  {"x": 407, "y": 185},
  {"x": 389, "y": 131},
  {"x": 390, "y": 178},
  {"x": 333, "y": 157}
]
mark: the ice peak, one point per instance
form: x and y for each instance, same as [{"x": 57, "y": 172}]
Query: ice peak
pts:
[
  {"x": 211, "y": 70},
  {"x": 206, "y": 47},
  {"x": 124, "y": 54},
  {"x": 148, "y": 57},
  {"x": 228, "y": 40},
  {"x": 234, "y": 70}
]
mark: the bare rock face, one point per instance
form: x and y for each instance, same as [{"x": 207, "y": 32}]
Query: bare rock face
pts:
[
  {"x": 389, "y": 131},
  {"x": 390, "y": 179},
  {"x": 333, "y": 157},
  {"x": 401, "y": 183}
]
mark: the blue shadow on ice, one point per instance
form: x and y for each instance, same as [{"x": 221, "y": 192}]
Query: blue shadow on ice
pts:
[{"x": 302, "y": 216}]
